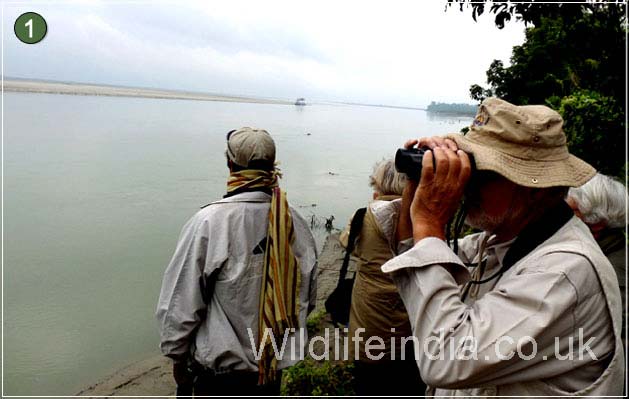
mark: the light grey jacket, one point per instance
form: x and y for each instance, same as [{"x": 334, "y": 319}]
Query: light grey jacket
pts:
[
  {"x": 563, "y": 289},
  {"x": 223, "y": 245}
]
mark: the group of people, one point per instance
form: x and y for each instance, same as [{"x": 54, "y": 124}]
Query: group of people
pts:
[{"x": 528, "y": 304}]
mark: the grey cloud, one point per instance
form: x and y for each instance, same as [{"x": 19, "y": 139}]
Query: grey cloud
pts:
[
  {"x": 186, "y": 27},
  {"x": 178, "y": 47}
]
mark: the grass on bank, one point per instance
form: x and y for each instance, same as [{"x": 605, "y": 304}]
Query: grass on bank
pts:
[{"x": 318, "y": 378}]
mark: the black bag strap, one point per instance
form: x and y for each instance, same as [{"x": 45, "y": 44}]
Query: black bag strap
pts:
[{"x": 354, "y": 230}]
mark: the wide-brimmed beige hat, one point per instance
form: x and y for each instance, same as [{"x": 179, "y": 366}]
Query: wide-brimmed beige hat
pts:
[
  {"x": 526, "y": 144},
  {"x": 247, "y": 147}
]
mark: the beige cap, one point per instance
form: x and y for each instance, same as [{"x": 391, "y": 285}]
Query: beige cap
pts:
[
  {"x": 250, "y": 147},
  {"x": 526, "y": 144}
]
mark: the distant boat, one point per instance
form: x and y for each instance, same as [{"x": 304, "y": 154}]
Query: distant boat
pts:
[{"x": 300, "y": 101}]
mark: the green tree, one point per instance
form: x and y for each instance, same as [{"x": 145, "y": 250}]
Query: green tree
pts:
[
  {"x": 529, "y": 12},
  {"x": 573, "y": 59},
  {"x": 593, "y": 130}
]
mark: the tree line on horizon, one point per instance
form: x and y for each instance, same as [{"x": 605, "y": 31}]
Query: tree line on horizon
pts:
[{"x": 452, "y": 108}]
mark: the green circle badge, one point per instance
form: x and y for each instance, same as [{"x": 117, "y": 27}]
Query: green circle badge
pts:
[{"x": 30, "y": 28}]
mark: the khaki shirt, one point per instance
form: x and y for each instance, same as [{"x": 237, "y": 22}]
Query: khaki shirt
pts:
[
  {"x": 376, "y": 305},
  {"x": 564, "y": 290}
]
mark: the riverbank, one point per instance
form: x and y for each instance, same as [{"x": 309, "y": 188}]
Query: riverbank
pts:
[
  {"x": 153, "y": 376},
  {"x": 68, "y": 88}
]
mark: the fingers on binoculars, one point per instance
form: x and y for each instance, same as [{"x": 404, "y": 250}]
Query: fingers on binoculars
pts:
[
  {"x": 428, "y": 169},
  {"x": 454, "y": 164},
  {"x": 442, "y": 162},
  {"x": 437, "y": 142},
  {"x": 410, "y": 143},
  {"x": 466, "y": 164},
  {"x": 451, "y": 144},
  {"x": 449, "y": 164}
]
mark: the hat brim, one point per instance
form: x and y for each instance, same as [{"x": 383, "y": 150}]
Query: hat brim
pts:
[{"x": 569, "y": 172}]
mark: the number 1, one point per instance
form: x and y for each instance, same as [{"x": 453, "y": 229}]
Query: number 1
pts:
[{"x": 29, "y": 24}]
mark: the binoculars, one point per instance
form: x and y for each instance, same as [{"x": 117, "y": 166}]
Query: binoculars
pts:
[{"x": 409, "y": 162}]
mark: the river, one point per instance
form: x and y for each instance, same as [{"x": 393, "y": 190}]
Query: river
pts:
[{"x": 96, "y": 190}]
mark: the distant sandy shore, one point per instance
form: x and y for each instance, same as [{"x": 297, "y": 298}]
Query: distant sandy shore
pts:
[{"x": 96, "y": 90}]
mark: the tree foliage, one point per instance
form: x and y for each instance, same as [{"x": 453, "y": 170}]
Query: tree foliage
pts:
[
  {"x": 529, "y": 12},
  {"x": 593, "y": 130},
  {"x": 573, "y": 59},
  {"x": 559, "y": 58}
]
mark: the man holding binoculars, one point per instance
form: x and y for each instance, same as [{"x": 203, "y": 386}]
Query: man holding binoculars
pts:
[{"x": 529, "y": 306}]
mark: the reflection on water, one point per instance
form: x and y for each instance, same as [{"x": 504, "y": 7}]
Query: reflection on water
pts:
[
  {"x": 449, "y": 119},
  {"x": 98, "y": 188}
]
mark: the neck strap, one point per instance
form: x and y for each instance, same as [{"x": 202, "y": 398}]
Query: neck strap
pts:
[{"x": 532, "y": 236}]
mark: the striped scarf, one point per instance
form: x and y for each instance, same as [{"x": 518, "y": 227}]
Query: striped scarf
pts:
[{"x": 281, "y": 277}]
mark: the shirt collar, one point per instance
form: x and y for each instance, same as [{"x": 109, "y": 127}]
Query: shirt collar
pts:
[
  {"x": 499, "y": 249},
  {"x": 252, "y": 196},
  {"x": 388, "y": 197}
]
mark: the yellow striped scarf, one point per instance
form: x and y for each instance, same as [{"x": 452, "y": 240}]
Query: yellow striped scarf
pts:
[{"x": 281, "y": 277}]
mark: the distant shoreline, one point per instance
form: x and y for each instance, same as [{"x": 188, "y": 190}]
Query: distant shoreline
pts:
[
  {"x": 34, "y": 86},
  {"x": 18, "y": 85},
  {"x": 382, "y": 106}
]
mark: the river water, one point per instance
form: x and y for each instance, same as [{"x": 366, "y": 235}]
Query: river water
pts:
[{"x": 96, "y": 190}]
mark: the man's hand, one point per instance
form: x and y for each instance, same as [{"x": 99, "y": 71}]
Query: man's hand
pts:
[{"x": 440, "y": 189}]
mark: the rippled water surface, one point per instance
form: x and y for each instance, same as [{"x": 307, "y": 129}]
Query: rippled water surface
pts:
[{"x": 96, "y": 190}]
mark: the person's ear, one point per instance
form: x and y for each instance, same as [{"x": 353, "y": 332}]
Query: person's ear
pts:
[
  {"x": 229, "y": 164},
  {"x": 575, "y": 208},
  {"x": 597, "y": 227}
]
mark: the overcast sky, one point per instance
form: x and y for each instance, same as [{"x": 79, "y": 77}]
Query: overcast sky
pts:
[{"x": 395, "y": 52}]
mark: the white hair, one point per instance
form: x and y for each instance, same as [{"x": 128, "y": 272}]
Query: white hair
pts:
[
  {"x": 602, "y": 199},
  {"x": 385, "y": 180}
]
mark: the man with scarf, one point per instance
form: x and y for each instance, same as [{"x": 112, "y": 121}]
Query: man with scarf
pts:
[{"x": 242, "y": 276}]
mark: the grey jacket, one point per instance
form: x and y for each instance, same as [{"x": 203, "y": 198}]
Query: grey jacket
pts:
[
  {"x": 563, "y": 289},
  {"x": 221, "y": 248}
]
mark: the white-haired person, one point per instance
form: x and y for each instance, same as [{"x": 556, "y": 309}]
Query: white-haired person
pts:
[
  {"x": 376, "y": 307},
  {"x": 601, "y": 204}
]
